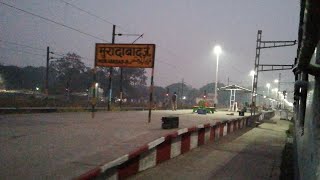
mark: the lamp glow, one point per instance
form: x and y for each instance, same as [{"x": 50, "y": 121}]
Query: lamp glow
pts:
[
  {"x": 252, "y": 73},
  {"x": 217, "y": 50}
]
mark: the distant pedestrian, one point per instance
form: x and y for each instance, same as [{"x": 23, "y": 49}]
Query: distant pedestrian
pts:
[{"x": 174, "y": 101}]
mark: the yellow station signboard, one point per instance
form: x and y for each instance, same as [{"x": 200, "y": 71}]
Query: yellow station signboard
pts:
[{"x": 125, "y": 55}]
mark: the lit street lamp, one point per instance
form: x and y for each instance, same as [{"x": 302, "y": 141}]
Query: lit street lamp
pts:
[
  {"x": 275, "y": 90},
  {"x": 217, "y": 50},
  {"x": 252, "y": 73},
  {"x": 278, "y": 89},
  {"x": 268, "y": 86}
]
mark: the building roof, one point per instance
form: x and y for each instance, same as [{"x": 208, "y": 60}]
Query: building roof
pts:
[{"x": 234, "y": 87}]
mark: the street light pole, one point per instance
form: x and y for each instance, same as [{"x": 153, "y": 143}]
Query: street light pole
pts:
[
  {"x": 216, "y": 85},
  {"x": 278, "y": 81},
  {"x": 252, "y": 73},
  {"x": 217, "y": 51},
  {"x": 268, "y": 86}
]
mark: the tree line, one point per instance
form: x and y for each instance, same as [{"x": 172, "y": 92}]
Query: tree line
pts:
[{"x": 69, "y": 74}]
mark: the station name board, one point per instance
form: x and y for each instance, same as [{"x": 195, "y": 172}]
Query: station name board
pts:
[{"x": 125, "y": 55}]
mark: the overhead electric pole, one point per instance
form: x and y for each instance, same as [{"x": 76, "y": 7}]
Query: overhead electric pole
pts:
[
  {"x": 181, "y": 97},
  {"x": 261, "y": 67},
  {"x": 110, "y": 71},
  {"x": 47, "y": 73},
  {"x": 121, "y": 69}
]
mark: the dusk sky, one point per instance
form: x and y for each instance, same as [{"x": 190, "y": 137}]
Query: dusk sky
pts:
[{"x": 184, "y": 32}]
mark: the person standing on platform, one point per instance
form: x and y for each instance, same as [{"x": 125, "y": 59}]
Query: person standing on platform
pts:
[{"x": 174, "y": 101}]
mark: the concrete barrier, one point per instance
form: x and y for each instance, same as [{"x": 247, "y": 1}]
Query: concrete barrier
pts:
[{"x": 168, "y": 147}]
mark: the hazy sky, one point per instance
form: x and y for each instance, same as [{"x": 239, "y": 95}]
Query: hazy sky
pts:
[{"x": 184, "y": 31}]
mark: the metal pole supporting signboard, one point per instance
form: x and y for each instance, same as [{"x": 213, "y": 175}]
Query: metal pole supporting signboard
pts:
[
  {"x": 130, "y": 57},
  {"x": 151, "y": 96}
]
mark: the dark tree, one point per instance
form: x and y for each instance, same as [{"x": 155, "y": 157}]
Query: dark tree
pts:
[{"x": 69, "y": 73}]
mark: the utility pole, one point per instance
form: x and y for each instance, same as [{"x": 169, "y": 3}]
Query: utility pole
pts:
[
  {"x": 261, "y": 67},
  {"x": 47, "y": 73},
  {"x": 255, "y": 76},
  {"x": 121, "y": 91},
  {"x": 121, "y": 68},
  {"x": 181, "y": 98},
  {"x": 110, "y": 70},
  {"x": 167, "y": 100}
]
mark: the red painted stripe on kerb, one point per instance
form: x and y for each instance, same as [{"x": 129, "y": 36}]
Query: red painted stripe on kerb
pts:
[
  {"x": 128, "y": 168},
  {"x": 192, "y": 129},
  {"x": 228, "y": 127},
  {"x": 163, "y": 151},
  {"x": 212, "y": 133},
  {"x": 93, "y": 173},
  {"x": 201, "y": 133},
  {"x": 139, "y": 151},
  {"x": 221, "y": 129},
  {"x": 234, "y": 125},
  {"x": 242, "y": 122},
  {"x": 170, "y": 136},
  {"x": 206, "y": 125},
  {"x": 185, "y": 142}
]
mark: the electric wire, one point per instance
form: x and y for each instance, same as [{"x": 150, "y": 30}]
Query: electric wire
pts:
[
  {"x": 109, "y": 22},
  {"x": 52, "y": 21},
  {"x": 80, "y": 9},
  {"x": 92, "y": 14},
  {"x": 23, "y": 45},
  {"x": 27, "y": 52}
]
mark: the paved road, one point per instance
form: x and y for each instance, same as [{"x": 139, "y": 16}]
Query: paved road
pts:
[
  {"x": 65, "y": 145},
  {"x": 244, "y": 155}
]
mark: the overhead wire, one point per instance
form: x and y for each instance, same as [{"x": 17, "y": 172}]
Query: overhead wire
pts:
[
  {"x": 36, "y": 48},
  {"x": 109, "y": 22},
  {"x": 92, "y": 14},
  {"x": 27, "y": 52},
  {"x": 23, "y": 45},
  {"x": 60, "y": 55},
  {"x": 69, "y": 27},
  {"x": 52, "y": 21},
  {"x": 77, "y": 30}
]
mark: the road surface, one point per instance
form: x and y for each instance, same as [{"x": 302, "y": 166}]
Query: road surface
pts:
[{"x": 65, "y": 145}]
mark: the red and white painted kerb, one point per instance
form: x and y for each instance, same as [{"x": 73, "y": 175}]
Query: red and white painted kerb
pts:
[{"x": 165, "y": 148}]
